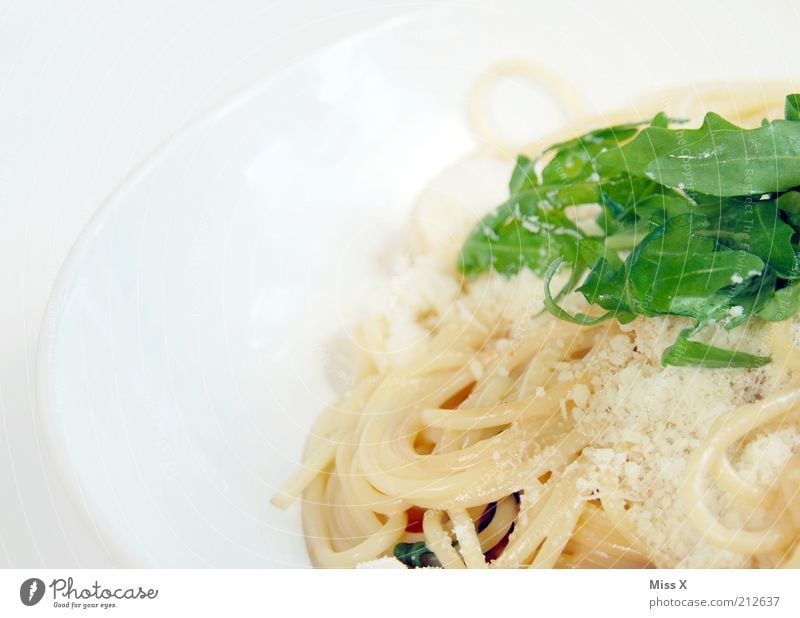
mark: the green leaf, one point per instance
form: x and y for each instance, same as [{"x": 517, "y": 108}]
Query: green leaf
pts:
[
  {"x": 687, "y": 353},
  {"x": 528, "y": 230},
  {"x": 415, "y": 555},
  {"x": 782, "y": 305},
  {"x": 789, "y": 205},
  {"x": 605, "y": 283},
  {"x": 523, "y": 177},
  {"x": 552, "y": 306},
  {"x": 756, "y": 227},
  {"x": 662, "y": 120},
  {"x": 606, "y": 136},
  {"x": 792, "y": 107},
  {"x": 718, "y": 159},
  {"x": 674, "y": 270},
  {"x": 593, "y": 249},
  {"x": 619, "y": 197},
  {"x": 567, "y": 165},
  {"x": 656, "y": 209},
  {"x": 633, "y": 157},
  {"x": 751, "y": 295},
  {"x": 572, "y": 160},
  {"x": 710, "y": 218}
]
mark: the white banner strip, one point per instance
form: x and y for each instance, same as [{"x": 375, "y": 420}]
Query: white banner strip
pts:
[{"x": 387, "y": 593}]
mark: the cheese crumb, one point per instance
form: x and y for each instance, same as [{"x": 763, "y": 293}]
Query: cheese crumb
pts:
[
  {"x": 736, "y": 311},
  {"x": 644, "y": 420},
  {"x": 580, "y": 394},
  {"x": 387, "y": 562}
]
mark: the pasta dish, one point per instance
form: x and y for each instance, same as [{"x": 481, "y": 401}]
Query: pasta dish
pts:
[{"x": 602, "y": 371}]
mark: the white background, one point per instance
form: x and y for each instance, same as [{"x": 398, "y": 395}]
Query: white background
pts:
[{"x": 87, "y": 90}]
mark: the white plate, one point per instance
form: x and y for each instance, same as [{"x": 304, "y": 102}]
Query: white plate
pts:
[{"x": 184, "y": 354}]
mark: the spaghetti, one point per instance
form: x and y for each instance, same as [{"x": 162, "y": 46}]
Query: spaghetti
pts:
[{"x": 504, "y": 437}]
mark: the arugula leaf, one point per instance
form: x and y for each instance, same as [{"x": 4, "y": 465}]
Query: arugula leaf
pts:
[
  {"x": 524, "y": 176},
  {"x": 415, "y": 555},
  {"x": 789, "y": 205},
  {"x": 756, "y": 226},
  {"x": 752, "y": 296},
  {"x": 528, "y": 230},
  {"x": 702, "y": 223},
  {"x": 572, "y": 160},
  {"x": 783, "y": 304},
  {"x": 687, "y": 353},
  {"x": 656, "y": 209},
  {"x": 619, "y": 197},
  {"x": 674, "y": 270},
  {"x": 551, "y": 305},
  {"x": 605, "y": 283},
  {"x": 719, "y": 158},
  {"x": 792, "y": 107}
]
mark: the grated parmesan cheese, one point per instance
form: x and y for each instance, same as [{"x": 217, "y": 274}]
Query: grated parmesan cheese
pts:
[
  {"x": 644, "y": 420},
  {"x": 387, "y": 562}
]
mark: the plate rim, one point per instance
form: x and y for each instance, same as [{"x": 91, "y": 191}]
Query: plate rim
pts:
[{"x": 123, "y": 555}]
